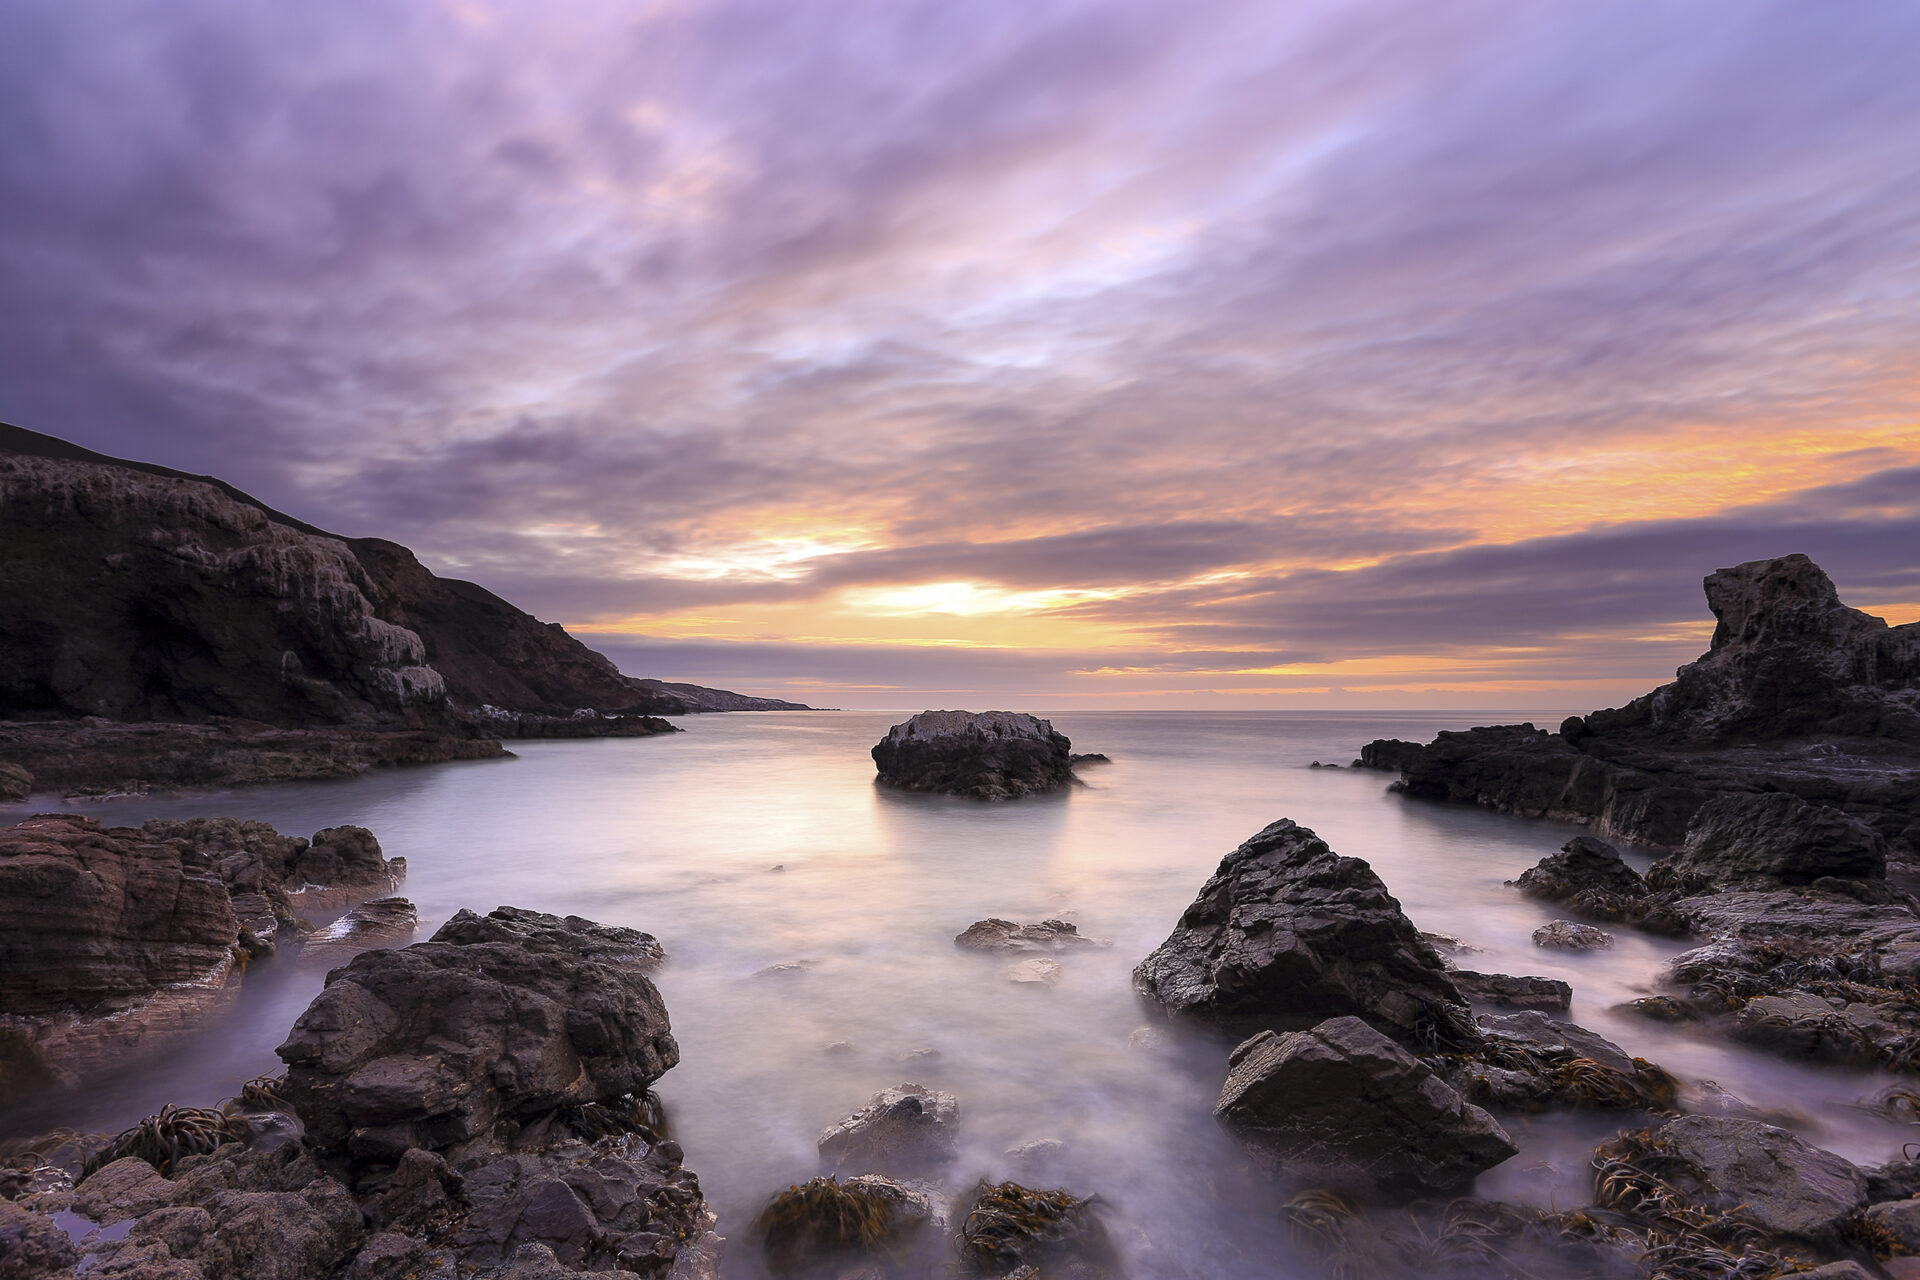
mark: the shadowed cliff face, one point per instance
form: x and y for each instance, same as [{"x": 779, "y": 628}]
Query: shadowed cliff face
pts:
[{"x": 137, "y": 593}]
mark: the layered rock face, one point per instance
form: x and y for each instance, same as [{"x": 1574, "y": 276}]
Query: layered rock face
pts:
[
  {"x": 1798, "y": 694},
  {"x": 114, "y": 940},
  {"x": 497, "y": 1017},
  {"x": 1343, "y": 1107},
  {"x": 1286, "y": 929},
  {"x": 986, "y": 755}
]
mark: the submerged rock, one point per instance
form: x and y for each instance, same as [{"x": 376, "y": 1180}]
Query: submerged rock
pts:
[
  {"x": 382, "y": 922},
  {"x": 1005, "y": 935},
  {"x": 1286, "y": 929},
  {"x": 1343, "y": 1107},
  {"x": 904, "y": 1130},
  {"x": 825, "y": 1220},
  {"x": 1015, "y": 1231},
  {"x": 498, "y": 1017},
  {"x": 987, "y": 755}
]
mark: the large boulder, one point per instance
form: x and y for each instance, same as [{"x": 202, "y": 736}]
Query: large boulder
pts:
[
  {"x": 1343, "y": 1107},
  {"x": 506, "y": 1016},
  {"x": 1777, "y": 839},
  {"x": 987, "y": 755},
  {"x": 1287, "y": 933},
  {"x": 110, "y": 941},
  {"x": 1780, "y": 1182}
]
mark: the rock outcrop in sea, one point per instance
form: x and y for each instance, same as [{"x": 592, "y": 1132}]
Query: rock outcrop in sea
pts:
[
  {"x": 984, "y": 755},
  {"x": 472, "y": 1105},
  {"x": 1798, "y": 695}
]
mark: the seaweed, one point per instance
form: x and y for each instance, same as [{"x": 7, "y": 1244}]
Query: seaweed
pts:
[
  {"x": 824, "y": 1218},
  {"x": 169, "y": 1136},
  {"x": 1009, "y": 1226}
]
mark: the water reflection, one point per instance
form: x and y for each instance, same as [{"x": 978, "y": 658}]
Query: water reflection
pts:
[{"x": 810, "y": 917}]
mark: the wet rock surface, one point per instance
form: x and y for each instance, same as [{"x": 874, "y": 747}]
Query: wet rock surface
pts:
[
  {"x": 827, "y": 1220},
  {"x": 1571, "y": 935},
  {"x": 1777, "y": 839},
  {"x": 381, "y": 922},
  {"x": 910, "y": 1129},
  {"x": 1344, "y": 1107},
  {"x": 1781, "y": 1183},
  {"x": 984, "y": 755},
  {"x": 1286, "y": 929},
  {"x": 1589, "y": 875},
  {"x": 1797, "y": 695}
]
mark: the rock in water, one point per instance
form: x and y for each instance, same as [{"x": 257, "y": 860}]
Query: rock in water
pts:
[
  {"x": 1571, "y": 935},
  {"x": 1777, "y": 840},
  {"x": 1288, "y": 930},
  {"x": 1342, "y": 1106},
  {"x": 1549, "y": 995},
  {"x": 1004, "y": 935},
  {"x": 16, "y": 784},
  {"x": 506, "y": 1016},
  {"x": 1587, "y": 872},
  {"x": 987, "y": 755},
  {"x": 904, "y": 1130}
]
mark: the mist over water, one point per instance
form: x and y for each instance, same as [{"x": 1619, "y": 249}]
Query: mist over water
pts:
[{"x": 809, "y": 917}]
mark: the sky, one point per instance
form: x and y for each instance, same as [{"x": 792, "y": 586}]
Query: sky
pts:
[{"x": 1368, "y": 354}]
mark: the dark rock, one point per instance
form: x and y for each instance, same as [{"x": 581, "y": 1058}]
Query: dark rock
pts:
[
  {"x": 904, "y": 1130},
  {"x": 1342, "y": 1106},
  {"x": 1777, "y": 839},
  {"x": 32, "y": 1245},
  {"x": 110, "y": 941},
  {"x": 1005, "y": 935},
  {"x": 1781, "y": 1183},
  {"x": 1899, "y": 1221},
  {"x": 1555, "y": 1038},
  {"x": 1288, "y": 929},
  {"x": 1509, "y": 992},
  {"x": 1014, "y": 1231},
  {"x": 16, "y": 784},
  {"x": 1589, "y": 875},
  {"x": 698, "y": 698},
  {"x": 1531, "y": 1062},
  {"x": 1570, "y": 935},
  {"x": 1798, "y": 694},
  {"x": 1387, "y": 753},
  {"x": 1079, "y": 758},
  {"x": 987, "y": 755},
  {"x": 499, "y": 1017}
]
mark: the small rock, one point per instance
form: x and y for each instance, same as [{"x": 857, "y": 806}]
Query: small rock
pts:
[
  {"x": 1039, "y": 1151},
  {"x": 1033, "y": 973},
  {"x": 903, "y": 1130},
  {"x": 785, "y": 969},
  {"x": 1569, "y": 935},
  {"x": 1588, "y": 874},
  {"x": 1448, "y": 945},
  {"x": 1658, "y": 1008},
  {"x": 1899, "y": 1219}
]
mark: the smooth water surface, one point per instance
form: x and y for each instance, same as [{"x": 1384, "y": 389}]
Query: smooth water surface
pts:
[{"x": 809, "y": 916}]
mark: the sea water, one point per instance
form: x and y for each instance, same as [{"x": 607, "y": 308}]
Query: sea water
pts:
[{"x": 809, "y": 917}]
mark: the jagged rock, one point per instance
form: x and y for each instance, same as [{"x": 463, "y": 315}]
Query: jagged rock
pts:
[
  {"x": 1005, "y": 935},
  {"x": 1288, "y": 929},
  {"x": 1588, "y": 874},
  {"x": 1776, "y": 839},
  {"x": 903, "y": 1130},
  {"x": 1782, "y": 1184},
  {"x": 16, "y": 784},
  {"x": 1549, "y": 995},
  {"x": 499, "y": 1017},
  {"x": 1570, "y": 935},
  {"x": 110, "y": 941},
  {"x": 1531, "y": 1062},
  {"x": 1342, "y": 1106},
  {"x": 987, "y": 755},
  {"x": 1797, "y": 694},
  {"x": 1387, "y": 753}
]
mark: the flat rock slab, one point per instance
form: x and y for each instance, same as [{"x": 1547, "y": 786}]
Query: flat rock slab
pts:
[
  {"x": 1344, "y": 1107},
  {"x": 1506, "y": 991}
]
